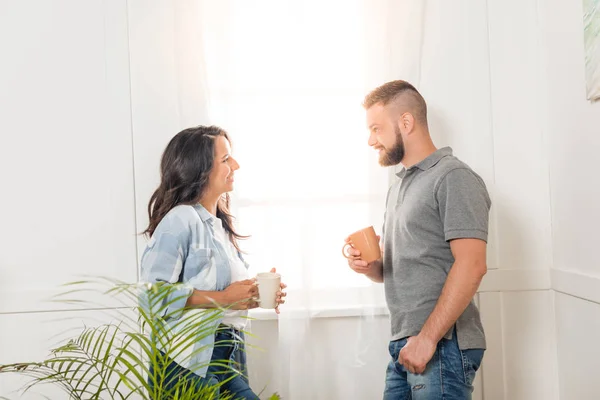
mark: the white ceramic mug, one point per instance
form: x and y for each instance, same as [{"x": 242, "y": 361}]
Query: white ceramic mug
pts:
[{"x": 269, "y": 283}]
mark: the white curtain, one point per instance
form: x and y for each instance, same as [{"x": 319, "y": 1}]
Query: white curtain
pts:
[{"x": 287, "y": 79}]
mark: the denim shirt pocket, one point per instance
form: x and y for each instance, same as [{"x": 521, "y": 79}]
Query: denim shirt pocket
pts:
[{"x": 199, "y": 269}]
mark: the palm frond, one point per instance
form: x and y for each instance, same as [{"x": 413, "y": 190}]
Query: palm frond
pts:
[{"x": 112, "y": 360}]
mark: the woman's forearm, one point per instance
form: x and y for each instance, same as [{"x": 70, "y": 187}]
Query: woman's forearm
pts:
[{"x": 207, "y": 299}]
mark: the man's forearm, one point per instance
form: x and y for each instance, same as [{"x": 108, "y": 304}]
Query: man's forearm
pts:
[
  {"x": 460, "y": 287},
  {"x": 376, "y": 272}
]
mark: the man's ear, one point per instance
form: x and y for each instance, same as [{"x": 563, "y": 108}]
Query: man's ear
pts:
[{"x": 406, "y": 123}]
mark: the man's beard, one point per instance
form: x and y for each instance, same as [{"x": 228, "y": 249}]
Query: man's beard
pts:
[{"x": 395, "y": 155}]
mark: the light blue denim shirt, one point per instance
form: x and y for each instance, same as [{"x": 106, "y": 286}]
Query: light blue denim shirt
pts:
[{"x": 183, "y": 249}]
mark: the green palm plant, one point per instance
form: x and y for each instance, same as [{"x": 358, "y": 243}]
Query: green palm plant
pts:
[{"x": 129, "y": 358}]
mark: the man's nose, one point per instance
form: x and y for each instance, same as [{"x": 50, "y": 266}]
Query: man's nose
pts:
[{"x": 372, "y": 141}]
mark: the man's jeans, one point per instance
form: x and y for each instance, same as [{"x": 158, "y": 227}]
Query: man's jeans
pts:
[{"x": 448, "y": 376}]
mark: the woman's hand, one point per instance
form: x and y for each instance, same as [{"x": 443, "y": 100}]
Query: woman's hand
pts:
[
  {"x": 280, "y": 294},
  {"x": 241, "y": 295}
]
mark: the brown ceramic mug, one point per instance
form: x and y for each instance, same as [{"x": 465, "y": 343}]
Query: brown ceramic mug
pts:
[{"x": 366, "y": 242}]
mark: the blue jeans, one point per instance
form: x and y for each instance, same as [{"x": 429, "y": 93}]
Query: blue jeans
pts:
[
  {"x": 235, "y": 384},
  {"x": 448, "y": 376}
]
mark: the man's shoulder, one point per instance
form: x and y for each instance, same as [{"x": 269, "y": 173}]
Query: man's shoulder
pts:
[
  {"x": 452, "y": 163},
  {"x": 452, "y": 171}
]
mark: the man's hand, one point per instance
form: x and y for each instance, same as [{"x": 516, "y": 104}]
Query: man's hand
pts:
[
  {"x": 415, "y": 355},
  {"x": 373, "y": 270}
]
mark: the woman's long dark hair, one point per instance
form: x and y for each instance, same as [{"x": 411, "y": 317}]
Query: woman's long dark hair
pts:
[{"x": 184, "y": 171}]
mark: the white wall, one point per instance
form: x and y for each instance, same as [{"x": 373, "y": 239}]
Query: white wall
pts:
[
  {"x": 504, "y": 81},
  {"x": 578, "y": 327},
  {"x": 522, "y": 353},
  {"x": 481, "y": 76},
  {"x": 65, "y": 164},
  {"x": 573, "y": 131},
  {"x": 67, "y": 207}
]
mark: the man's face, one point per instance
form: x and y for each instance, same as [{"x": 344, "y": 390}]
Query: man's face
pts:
[{"x": 384, "y": 136}]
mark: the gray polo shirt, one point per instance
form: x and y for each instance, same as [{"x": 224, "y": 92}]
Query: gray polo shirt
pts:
[{"x": 435, "y": 201}]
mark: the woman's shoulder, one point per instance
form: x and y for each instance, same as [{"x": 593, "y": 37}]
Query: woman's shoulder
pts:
[
  {"x": 180, "y": 219},
  {"x": 184, "y": 212}
]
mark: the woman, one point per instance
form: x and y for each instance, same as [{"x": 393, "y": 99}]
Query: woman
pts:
[{"x": 193, "y": 241}]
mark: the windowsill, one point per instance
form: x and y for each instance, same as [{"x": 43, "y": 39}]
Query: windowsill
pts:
[
  {"x": 369, "y": 301},
  {"x": 325, "y": 312},
  {"x": 342, "y": 302}
]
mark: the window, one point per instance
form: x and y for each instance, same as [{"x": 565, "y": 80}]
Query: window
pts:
[{"x": 290, "y": 91}]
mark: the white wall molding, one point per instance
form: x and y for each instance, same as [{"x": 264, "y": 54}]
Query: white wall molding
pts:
[
  {"x": 515, "y": 280},
  {"x": 496, "y": 280},
  {"x": 576, "y": 284},
  {"x": 56, "y": 299}
]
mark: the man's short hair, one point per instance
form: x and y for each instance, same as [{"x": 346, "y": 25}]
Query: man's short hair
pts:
[{"x": 402, "y": 96}]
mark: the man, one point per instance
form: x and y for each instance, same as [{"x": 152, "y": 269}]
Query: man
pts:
[{"x": 434, "y": 252}]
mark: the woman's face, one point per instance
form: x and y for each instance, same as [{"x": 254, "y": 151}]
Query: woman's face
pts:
[{"x": 221, "y": 176}]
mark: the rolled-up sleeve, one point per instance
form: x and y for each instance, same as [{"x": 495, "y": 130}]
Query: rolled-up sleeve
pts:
[
  {"x": 464, "y": 205},
  {"x": 163, "y": 261}
]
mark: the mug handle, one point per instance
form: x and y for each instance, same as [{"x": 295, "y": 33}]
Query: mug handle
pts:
[{"x": 344, "y": 251}]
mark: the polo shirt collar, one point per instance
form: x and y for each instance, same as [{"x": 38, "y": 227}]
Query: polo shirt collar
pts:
[{"x": 428, "y": 162}]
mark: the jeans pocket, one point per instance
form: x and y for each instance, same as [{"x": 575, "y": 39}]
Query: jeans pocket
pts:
[
  {"x": 395, "y": 346},
  {"x": 471, "y": 360}
]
